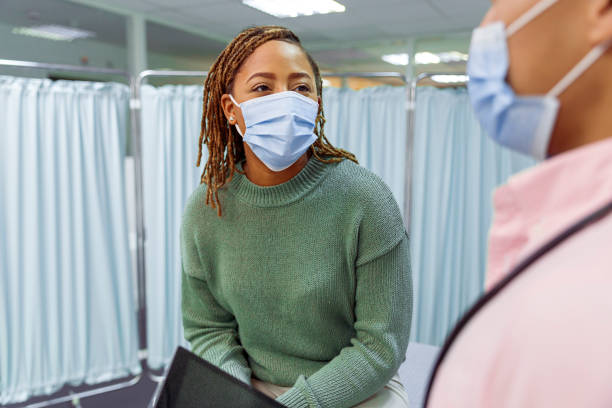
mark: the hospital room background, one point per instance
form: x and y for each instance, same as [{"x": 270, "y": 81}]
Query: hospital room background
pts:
[{"x": 100, "y": 110}]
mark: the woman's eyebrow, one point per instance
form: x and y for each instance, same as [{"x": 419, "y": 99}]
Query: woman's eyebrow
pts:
[
  {"x": 297, "y": 75},
  {"x": 268, "y": 75}
]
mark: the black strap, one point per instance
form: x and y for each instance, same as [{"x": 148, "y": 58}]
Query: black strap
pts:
[{"x": 517, "y": 271}]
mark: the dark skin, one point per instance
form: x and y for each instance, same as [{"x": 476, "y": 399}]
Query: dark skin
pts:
[
  {"x": 275, "y": 66},
  {"x": 547, "y": 48}
]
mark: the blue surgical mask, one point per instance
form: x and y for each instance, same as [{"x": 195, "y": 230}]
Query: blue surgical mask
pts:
[
  {"x": 522, "y": 123},
  {"x": 279, "y": 127}
]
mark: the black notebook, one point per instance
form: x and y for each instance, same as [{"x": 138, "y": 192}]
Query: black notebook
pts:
[{"x": 192, "y": 382}]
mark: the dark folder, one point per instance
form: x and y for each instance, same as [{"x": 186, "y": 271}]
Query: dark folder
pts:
[{"x": 192, "y": 382}]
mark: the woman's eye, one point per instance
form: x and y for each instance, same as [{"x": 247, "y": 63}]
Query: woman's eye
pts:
[
  {"x": 261, "y": 88},
  {"x": 303, "y": 88}
]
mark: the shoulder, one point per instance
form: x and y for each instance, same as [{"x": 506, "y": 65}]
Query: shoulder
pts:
[
  {"x": 360, "y": 180},
  {"x": 195, "y": 202},
  {"x": 196, "y": 212},
  {"x": 362, "y": 186},
  {"x": 367, "y": 196}
]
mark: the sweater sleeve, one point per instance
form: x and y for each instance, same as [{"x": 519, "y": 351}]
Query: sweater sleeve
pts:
[
  {"x": 383, "y": 313},
  {"x": 209, "y": 328}
]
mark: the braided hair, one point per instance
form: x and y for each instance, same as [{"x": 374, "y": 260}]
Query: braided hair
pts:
[{"x": 224, "y": 144}]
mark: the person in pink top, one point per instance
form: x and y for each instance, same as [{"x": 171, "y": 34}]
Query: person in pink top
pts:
[{"x": 541, "y": 83}]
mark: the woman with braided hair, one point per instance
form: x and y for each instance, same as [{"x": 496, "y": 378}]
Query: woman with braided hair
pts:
[{"x": 296, "y": 274}]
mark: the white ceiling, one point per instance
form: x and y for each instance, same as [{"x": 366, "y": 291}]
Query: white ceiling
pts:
[
  {"x": 363, "y": 19},
  {"x": 367, "y": 29}
]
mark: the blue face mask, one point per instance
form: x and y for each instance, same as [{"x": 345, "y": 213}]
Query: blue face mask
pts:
[
  {"x": 522, "y": 123},
  {"x": 279, "y": 127}
]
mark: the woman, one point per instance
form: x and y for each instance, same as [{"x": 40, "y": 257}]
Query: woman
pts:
[{"x": 300, "y": 282}]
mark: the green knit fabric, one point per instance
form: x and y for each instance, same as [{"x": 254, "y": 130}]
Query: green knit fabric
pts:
[{"x": 305, "y": 285}]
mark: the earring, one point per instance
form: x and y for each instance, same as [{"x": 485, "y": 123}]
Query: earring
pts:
[{"x": 231, "y": 120}]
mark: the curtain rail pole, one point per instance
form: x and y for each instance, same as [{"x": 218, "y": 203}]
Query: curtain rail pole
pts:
[
  {"x": 365, "y": 75},
  {"x": 171, "y": 73},
  {"x": 62, "y": 67}
]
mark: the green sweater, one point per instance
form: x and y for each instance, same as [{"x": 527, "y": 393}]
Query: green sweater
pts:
[{"x": 305, "y": 285}]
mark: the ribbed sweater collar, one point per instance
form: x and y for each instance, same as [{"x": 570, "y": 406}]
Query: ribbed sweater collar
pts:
[{"x": 282, "y": 194}]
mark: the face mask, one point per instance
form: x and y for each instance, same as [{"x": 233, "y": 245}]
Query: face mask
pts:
[
  {"x": 522, "y": 123},
  {"x": 279, "y": 127}
]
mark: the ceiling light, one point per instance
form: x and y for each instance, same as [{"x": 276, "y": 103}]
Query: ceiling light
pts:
[
  {"x": 424, "y": 58},
  {"x": 450, "y": 79},
  {"x": 54, "y": 32},
  {"x": 295, "y": 8},
  {"x": 452, "y": 56},
  {"x": 397, "y": 59}
]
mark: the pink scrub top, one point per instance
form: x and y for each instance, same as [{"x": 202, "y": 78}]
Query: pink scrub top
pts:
[{"x": 545, "y": 340}]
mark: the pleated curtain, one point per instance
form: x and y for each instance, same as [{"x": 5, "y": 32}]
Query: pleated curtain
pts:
[
  {"x": 67, "y": 306},
  {"x": 456, "y": 168},
  {"x": 171, "y": 118}
]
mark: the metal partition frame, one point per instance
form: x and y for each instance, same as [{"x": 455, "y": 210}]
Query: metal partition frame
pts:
[
  {"x": 371, "y": 75},
  {"x": 136, "y": 120},
  {"x": 62, "y": 67}
]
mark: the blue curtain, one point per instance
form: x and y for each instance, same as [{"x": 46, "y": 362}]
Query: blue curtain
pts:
[
  {"x": 455, "y": 170},
  {"x": 171, "y": 118},
  {"x": 67, "y": 310},
  {"x": 372, "y": 124}
]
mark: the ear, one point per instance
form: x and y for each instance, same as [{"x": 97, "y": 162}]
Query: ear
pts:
[
  {"x": 229, "y": 109},
  {"x": 600, "y": 15}
]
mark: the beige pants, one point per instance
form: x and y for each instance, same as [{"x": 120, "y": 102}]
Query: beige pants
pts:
[{"x": 392, "y": 395}]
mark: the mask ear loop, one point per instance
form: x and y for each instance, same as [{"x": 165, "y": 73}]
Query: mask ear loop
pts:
[
  {"x": 238, "y": 105},
  {"x": 571, "y": 77},
  {"x": 529, "y": 16},
  {"x": 586, "y": 63},
  {"x": 234, "y": 101}
]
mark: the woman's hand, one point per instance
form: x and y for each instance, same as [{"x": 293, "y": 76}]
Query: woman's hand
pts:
[{"x": 260, "y": 386}]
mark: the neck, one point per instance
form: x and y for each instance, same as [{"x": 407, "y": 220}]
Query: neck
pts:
[
  {"x": 585, "y": 110},
  {"x": 259, "y": 174}
]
